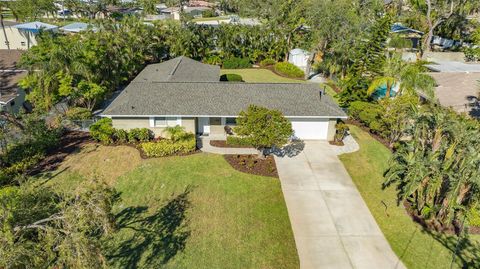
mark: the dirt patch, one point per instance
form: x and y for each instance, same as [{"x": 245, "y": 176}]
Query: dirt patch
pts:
[
  {"x": 223, "y": 144},
  {"x": 70, "y": 142},
  {"x": 250, "y": 164}
]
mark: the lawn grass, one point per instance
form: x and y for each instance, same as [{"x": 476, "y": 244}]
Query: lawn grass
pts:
[
  {"x": 260, "y": 75},
  {"x": 187, "y": 212},
  {"x": 415, "y": 247}
]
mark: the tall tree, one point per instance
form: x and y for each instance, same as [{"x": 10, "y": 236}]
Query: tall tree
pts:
[
  {"x": 405, "y": 76},
  {"x": 263, "y": 128},
  {"x": 437, "y": 12}
]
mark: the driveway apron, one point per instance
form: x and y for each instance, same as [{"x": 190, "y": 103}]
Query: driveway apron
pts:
[{"x": 332, "y": 225}]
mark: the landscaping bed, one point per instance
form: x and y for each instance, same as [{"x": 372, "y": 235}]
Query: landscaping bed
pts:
[
  {"x": 223, "y": 144},
  {"x": 70, "y": 142},
  {"x": 252, "y": 165}
]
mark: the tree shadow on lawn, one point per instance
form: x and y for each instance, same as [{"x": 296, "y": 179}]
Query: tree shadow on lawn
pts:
[
  {"x": 155, "y": 238},
  {"x": 465, "y": 251}
]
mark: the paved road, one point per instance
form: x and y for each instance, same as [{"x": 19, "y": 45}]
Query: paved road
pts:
[{"x": 332, "y": 225}]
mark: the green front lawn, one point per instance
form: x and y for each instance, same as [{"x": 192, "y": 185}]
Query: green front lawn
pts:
[
  {"x": 415, "y": 247},
  {"x": 260, "y": 75},
  {"x": 188, "y": 212}
]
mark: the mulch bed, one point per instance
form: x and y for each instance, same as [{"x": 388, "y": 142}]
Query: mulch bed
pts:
[
  {"x": 223, "y": 144},
  {"x": 250, "y": 164},
  {"x": 70, "y": 142},
  {"x": 366, "y": 129},
  {"x": 336, "y": 143}
]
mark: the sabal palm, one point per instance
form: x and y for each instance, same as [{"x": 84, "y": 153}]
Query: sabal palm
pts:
[{"x": 408, "y": 77}]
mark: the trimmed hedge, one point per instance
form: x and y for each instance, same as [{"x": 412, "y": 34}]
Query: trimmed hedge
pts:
[
  {"x": 289, "y": 70},
  {"x": 167, "y": 147},
  {"x": 231, "y": 78},
  {"x": 267, "y": 62},
  {"x": 238, "y": 141},
  {"x": 102, "y": 130},
  {"x": 139, "y": 135},
  {"x": 236, "y": 63}
]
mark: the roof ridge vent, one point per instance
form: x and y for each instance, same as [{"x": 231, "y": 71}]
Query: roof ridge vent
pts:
[{"x": 176, "y": 67}]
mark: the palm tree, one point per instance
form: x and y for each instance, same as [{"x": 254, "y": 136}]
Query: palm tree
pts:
[
  {"x": 408, "y": 77},
  {"x": 2, "y": 5}
]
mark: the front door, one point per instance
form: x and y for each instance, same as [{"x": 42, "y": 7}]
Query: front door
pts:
[{"x": 203, "y": 125}]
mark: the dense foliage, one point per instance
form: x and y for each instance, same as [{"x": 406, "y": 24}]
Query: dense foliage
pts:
[
  {"x": 263, "y": 128},
  {"x": 179, "y": 142},
  {"x": 86, "y": 67},
  {"x": 42, "y": 227},
  {"x": 29, "y": 148},
  {"x": 436, "y": 169},
  {"x": 103, "y": 131}
]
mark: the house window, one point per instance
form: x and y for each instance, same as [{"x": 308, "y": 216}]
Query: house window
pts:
[
  {"x": 231, "y": 121},
  {"x": 23, "y": 43},
  {"x": 165, "y": 122},
  {"x": 215, "y": 121}
]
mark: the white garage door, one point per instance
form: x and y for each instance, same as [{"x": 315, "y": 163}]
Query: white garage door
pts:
[{"x": 310, "y": 129}]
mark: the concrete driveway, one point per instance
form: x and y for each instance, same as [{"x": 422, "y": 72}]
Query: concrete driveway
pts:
[{"x": 332, "y": 225}]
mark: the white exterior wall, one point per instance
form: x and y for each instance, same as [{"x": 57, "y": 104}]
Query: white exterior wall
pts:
[
  {"x": 18, "y": 40},
  {"x": 310, "y": 129}
]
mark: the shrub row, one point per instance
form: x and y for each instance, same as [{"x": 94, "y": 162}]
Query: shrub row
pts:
[
  {"x": 369, "y": 114},
  {"x": 289, "y": 70},
  {"x": 267, "y": 62},
  {"x": 231, "y": 77},
  {"x": 103, "y": 132},
  {"x": 168, "y": 147},
  {"x": 238, "y": 141},
  {"x": 236, "y": 63},
  {"x": 472, "y": 54}
]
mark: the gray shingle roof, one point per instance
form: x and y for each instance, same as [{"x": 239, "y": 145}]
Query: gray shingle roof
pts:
[
  {"x": 220, "y": 99},
  {"x": 179, "y": 69}
]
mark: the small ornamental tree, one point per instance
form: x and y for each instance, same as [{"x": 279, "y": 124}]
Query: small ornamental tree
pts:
[{"x": 263, "y": 128}]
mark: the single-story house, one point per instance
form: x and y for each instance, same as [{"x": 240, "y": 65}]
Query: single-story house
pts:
[
  {"x": 188, "y": 93},
  {"x": 21, "y": 36}
]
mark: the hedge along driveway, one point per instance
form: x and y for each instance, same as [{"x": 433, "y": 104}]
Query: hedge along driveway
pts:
[{"x": 414, "y": 246}]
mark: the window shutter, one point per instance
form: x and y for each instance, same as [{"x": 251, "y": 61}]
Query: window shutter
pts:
[{"x": 152, "y": 122}]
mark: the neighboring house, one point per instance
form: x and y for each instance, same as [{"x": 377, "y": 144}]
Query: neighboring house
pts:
[
  {"x": 414, "y": 36},
  {"x": 173, "y": 12},
  {"x": 11, "y": 96},
  {"x": 299, "y": 58},
  {"x": 188, "y": 93},
  {"x": 22, "y": 36},
  {"x": 77, "y": 27},
  {"x": 458, "y": 86}
]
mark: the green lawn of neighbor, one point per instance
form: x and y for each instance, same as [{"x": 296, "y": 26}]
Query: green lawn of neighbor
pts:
[
  {"x": 187, "y": 212},
  {"x": 260, "y": 75},
  {"x": 415, "y": 247}
]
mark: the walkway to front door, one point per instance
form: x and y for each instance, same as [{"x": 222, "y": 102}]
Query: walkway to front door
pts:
[{"x": 332, "y": 225}]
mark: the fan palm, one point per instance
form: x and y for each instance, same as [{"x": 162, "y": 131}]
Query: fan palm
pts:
[{"x": 408, "y": 77}]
